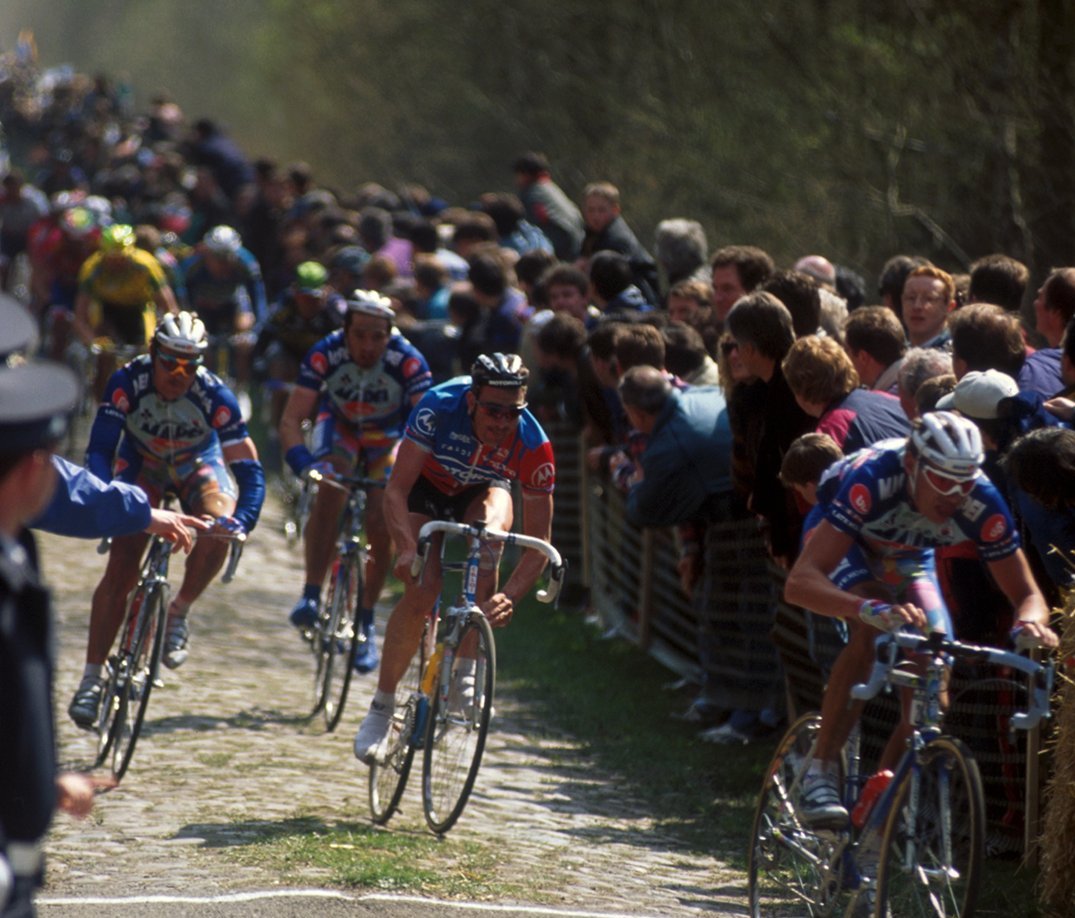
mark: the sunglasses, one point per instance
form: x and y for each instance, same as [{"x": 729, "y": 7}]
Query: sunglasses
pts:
[
  {"x": 502, "y": 412},
  {"x": 946, "y": 485},
  {"x": 179, "y": 366}
]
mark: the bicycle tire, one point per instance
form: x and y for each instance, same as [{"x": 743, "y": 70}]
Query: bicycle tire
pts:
[
  {"x": 944, "y": 874},
  {"x": 788, "y": 864},
  {"x": 388, "y": 778},
  {"x": 324, "y": 650},
  {"x": 458, "y": 726},
  {"x": 113, "y": 698},
  {"x": 343, "y": 638},
  {"x": 144, "y": 668}
]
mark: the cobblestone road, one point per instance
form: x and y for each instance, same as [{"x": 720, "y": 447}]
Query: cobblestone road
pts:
[{"x": 227, "y": 753}]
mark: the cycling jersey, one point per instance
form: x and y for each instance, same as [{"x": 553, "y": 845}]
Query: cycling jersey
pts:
[
  {"x": 873, "y": 505},
  {"x": 440, "y": 424},
  {"x": 144, "y": 427},
  {"x": 374, "y": 402},
  {"x": 130, "y": 281},
  {"x": 241, "y": 289}
]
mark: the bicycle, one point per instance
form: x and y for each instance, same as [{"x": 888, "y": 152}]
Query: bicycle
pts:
[
  {"x": 133, "y": 668},
  {"x": 925, "y": 831},
  {"x": 449, "y": 688},
  {"x": 337, "y": 632}
]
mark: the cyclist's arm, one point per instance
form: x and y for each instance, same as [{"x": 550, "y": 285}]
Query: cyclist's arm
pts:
[
  {"x": 242, "y": 459},
  {"x": 808, "y": 584},
  {"x": 82, "y": 317},
  {"x": 537, "y": 522},
  {"x": 1012, "y": 575},
  {"x": 165, "y": 300},
  {"x": 300, "y": 405}
]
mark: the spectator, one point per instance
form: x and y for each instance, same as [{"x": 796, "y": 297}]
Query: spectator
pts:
[
  {"x": 932, "y": 391},
  {"x": 736, "y": 270},
  {"x": 893, "y": 276},
  {"x": 431, "y": 288},
  {"x": 686, "y": 356},
  {"x": 826, "y": 386},
  {"x": 209, "y": 146},
  {"x": 529, "y": 270},
  {"x": 680, "y": 250},
  {"x": 1054, "y": 307},
  {"x": 876, "y": 344},
  {"x": 547, "y": 207},
  {"x": 985, "y": 337},
  {"x": 920, "y": 364},
  {"x": 799, "y": 293},
  {"x": 928, "y": 296},
  {"x": 606, "y": 230},
  {"x": 998, "y": 279},
  {"x": 425, "y": 238},
  {"x": 505, "y": 307},
  {"x": 688, "y": 300},
  {"x": 819, "y": 269},
  {"x": 21, "y": 206},
  {"x": 611, "y": 287},
  {"x": 472, "y": 231},
  {"x": 567, "y": 290},
  {"x": 379, "y": 239},
  {"x": 560, "y": 346},
  {"x": 514, "y": 231}
]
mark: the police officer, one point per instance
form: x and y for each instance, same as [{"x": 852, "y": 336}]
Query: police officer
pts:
[{"x": 35, "y": 405}]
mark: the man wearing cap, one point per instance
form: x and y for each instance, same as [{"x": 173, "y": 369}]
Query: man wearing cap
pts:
[
  {"x": 362, "y": 381},
  {"x": 308, "y": 310},
  {"x": 35, "y": 404},
  {"x": 166, "y": 424}
]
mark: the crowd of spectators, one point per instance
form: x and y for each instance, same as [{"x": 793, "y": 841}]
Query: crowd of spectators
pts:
[{"x": 689, "y": 372}]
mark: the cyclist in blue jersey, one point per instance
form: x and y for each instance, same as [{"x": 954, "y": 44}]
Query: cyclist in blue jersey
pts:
[
  {"x": 222, "y": 282},
  {"x": 363, "y": 381},
  {"x": 168, "y": 424},
  {"x": 466, "y": 442},
  {"x": 870, "y": 562}
]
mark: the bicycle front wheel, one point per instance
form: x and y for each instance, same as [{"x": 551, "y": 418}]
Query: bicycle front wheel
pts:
[
  {"x": 458, "y": 724},
  {"x": 388, "y": 777},
  {"x": 792, "y": 870},
  {"x": 340, "y": 639},
  {"x": 145, "y": 649},
  {"x": 933, "y": 843}
]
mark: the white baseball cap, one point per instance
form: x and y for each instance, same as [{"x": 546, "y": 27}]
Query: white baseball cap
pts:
[{"x": 978, "y": 393}]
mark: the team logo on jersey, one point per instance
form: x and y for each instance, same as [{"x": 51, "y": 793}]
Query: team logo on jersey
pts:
[
  {"x": 119, "y": 399},
  {"x": 543, "y": 475},
  {"x": 319, "y": 363},
  {"x": 411, "y": 366},
  {"x": 995, "y": 528},
  {"x": 860, "y": 498},
  {"x": 425, "y": 422},
  {"x": 222, "y": 416}
]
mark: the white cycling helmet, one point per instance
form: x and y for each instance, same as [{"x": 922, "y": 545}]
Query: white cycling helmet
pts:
[
  {"x": 949, "y": 443},
  {"x": 223, "y": 241},
  {"x": 371, "y": 303},
  {"x": 182, "y": 334}
]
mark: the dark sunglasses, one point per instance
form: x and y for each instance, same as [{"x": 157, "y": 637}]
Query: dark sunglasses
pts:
[
  {"x": 502, "y": 412},
  {"x": 179, "y": 366}
]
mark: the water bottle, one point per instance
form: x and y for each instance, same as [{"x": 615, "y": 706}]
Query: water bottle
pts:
[{"x": 873, "y": 789}]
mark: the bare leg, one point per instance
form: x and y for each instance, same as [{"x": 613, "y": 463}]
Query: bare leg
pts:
[{"x": 110, "y": 596}]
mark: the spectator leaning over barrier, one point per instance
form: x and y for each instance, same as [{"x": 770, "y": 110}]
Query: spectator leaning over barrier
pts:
[
  {"x": 929, "y": 294},
  {"x": 985, "y": 337},
  {"x": 762, "y": 329},
  {"x": 683, "y": 476},
  {"x": 876, "y": 343}
]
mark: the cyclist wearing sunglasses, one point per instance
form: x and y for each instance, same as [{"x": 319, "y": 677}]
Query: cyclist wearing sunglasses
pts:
[
  {"x": 167, "y": 424},
  {"x": 870, "y": 562},
  {"x": 466, "y": 442},
  {"x": 361, "y": 381}
]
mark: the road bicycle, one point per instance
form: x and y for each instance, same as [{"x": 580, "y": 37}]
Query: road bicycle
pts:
[
  {"x": 448, "y": 687},
  {"x": 919, "y": 849},
  {"x": 336, "y": 635},
  {"x": 133, "y": 668}
]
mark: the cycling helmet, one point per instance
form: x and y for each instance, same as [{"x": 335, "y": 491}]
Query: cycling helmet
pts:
[
  {"x": 949, "y": 443},
  {"x": 310, "y": 277},
  {"x": 183, "y": 333},
  {"x": 370, "y": 303},
  {"x": 223, "y": 241},
  {"x": 77, "y": 222},
  {"x": 502, "y": 371},
  {"x": 118, "y": 237}
]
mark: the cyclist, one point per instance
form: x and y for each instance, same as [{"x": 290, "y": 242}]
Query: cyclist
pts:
[
  {"x": 167, "y": 423},
  {"x": 127, "y": 284},
  {"x": 466, "y": 442},
  {"x": 870, "y": 562},
  {"x": 222, "y": 283},
  {"x": 363, "y": 379}
]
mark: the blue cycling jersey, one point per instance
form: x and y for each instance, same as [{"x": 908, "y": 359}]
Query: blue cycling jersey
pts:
[
  {"x": 203, "y": 290},
  {"x": 135, "y": 419},
  {"x": 373, "y": 402}
]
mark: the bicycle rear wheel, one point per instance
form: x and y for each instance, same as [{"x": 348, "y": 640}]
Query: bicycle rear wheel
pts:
[
  {"x": 792, "y": 870},
  {"x": 388, "y": 778},
  {"x": 932, "y": 848},
  {"x": 144, "y": 658},
  {"x": 458, "y": 724}
]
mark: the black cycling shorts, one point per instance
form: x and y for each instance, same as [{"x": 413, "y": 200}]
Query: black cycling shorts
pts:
[{"x": 428, "y": 500}]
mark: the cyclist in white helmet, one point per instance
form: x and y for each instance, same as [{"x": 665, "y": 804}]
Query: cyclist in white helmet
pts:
[
  {"x": 362, "y": 381},
  {"x": 895, "y": 504},
  {"x": 167, "y": 424}
]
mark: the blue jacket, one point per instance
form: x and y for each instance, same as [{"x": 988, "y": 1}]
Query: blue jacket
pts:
[
  {"x": 687, "y": 459},
  {"x": 86, "y": 507}
]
